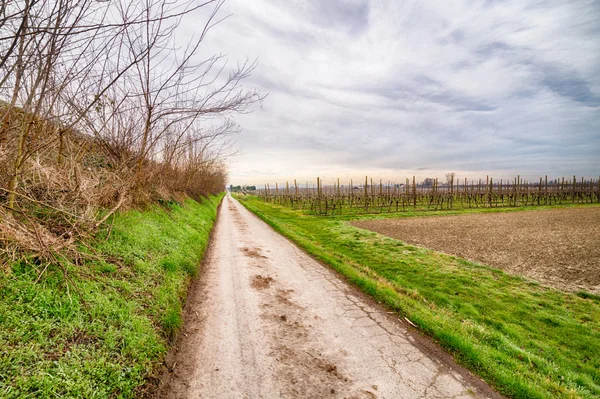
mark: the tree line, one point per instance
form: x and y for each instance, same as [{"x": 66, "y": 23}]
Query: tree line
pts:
[{"x": 236, "y": 189}]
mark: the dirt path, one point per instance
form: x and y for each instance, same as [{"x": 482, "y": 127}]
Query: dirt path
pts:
[{"x": 267, "y": 321}]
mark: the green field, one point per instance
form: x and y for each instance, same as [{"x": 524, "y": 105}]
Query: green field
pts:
[
  {"x": 526, "y": 340},
  {"x": 103, "y": 327}
]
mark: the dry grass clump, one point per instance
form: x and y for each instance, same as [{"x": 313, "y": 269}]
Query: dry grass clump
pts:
[
  {"x": 22, "y": 237},
  {"x": 58, "y": 203}
]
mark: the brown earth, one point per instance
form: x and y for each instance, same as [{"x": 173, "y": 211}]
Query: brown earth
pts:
[
  {"x": 557, "y": 247},
  {"x": 259, "y": 282}
]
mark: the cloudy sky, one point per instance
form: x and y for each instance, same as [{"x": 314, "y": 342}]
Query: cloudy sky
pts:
[{"x": 393, "y": 88}]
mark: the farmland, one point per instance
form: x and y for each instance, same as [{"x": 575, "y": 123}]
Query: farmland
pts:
[
  {"x": 558, "y": 247},
  {"x": 380, "y": 197},
  {"x": 526, "y": 339}
]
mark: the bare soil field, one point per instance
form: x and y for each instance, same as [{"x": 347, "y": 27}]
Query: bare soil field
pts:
[{"x": 557, "y": 247}]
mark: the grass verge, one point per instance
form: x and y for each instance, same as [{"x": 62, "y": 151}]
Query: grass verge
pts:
[
  {"x": 102, "y": 331},
  {"x": 526, "y": 340}
]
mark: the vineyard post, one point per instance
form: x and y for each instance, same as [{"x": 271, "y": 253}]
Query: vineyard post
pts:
[
  {"x": 319, "y": 195},
  {"x": 501, "y": 193},
  {"x": 465, "y": 195},
  {"x": 381, "y": 199},
  {"x": 348, "y": 196},
  {"x": 366, "y": 194},
  {"x": 518, "y": 190},
  {"x": 435, "y": 192},
  {"x": 546, "y": 195},
  {"x": 372, "y": 191},
  {"x": 277, "y": 194},
  {"x": 414, "y": 192},
  {"x": 487, "y": 188},
  {"x": 339, "y": 199},
  {"x": 574, "y": 183},
  {"x": 389, "y": 201},
  {"x": 287, "y": 193},
  {"x": 326, "y": 197},
  {"x": 491, "y": 191}
]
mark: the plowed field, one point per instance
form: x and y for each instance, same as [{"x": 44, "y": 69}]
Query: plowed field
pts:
[{"x": 557, "y": 247}]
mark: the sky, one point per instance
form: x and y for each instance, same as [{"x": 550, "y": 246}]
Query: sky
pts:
[{"x": 391, "y": 88}]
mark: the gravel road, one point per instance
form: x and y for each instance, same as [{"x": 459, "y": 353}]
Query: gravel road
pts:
[{"x": 268, "y": 321}]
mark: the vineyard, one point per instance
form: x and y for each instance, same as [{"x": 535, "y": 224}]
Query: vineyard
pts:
[{"x": 370, "y": 197}]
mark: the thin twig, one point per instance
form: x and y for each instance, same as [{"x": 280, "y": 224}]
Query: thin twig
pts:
[
  {"x": 114, "y": 209},
  {"x": 45, "y": 204}
]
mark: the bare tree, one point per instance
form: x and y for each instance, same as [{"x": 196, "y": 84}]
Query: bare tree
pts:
[{"x": 97, "y": 100}]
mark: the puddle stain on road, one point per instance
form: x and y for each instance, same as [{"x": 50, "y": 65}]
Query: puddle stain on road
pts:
[{"x": 260, "y": 283}]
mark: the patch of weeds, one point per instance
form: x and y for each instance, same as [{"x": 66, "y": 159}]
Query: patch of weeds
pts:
[
  {"x": 587, "y": 295},
  {"x": 172, "y": 322},
  {"x": 169, "y": 264}
]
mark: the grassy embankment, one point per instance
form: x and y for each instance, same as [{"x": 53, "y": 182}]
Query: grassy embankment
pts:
[
  {"x": 106, "y": 331},
  {"x": 527, "y": 340}
]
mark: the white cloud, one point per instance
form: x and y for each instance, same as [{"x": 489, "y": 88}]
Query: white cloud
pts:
[{"x": 385, "y": 87}]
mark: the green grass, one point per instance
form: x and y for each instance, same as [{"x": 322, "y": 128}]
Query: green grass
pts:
[
  {"x": 104, "y": 331},
  {"x": 526, "y": 340}
]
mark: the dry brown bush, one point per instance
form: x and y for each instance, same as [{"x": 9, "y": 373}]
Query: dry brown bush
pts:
[{"x": 88, "y": 126}]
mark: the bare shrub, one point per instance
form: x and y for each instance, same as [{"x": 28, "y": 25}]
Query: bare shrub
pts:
[{"x": 99, "y": 110}]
